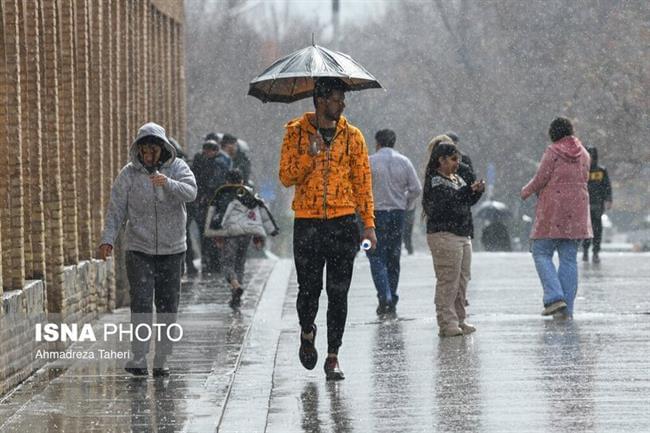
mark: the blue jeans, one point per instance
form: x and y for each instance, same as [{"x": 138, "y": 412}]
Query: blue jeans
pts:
[
  {"x": 559, "y": 284},
  {"x": 384, "y": 260}
]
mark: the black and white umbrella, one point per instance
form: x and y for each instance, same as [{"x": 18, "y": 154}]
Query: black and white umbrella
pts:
[{"x": 291, "y": 78}]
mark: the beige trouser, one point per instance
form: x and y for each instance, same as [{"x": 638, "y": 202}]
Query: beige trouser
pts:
[{"x": 452, "y": 260}]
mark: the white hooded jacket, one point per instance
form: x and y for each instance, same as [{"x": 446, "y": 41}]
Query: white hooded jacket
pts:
[{"x": 152, "y": 226}]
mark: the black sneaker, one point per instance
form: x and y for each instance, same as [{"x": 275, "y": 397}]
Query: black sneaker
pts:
[
  {"x": 307, "y": 353},
  {"x": 332, "y": 369},
  {"x": 585, "y": 256},
  {"x": 595, "y": 258},
  {"x": 235, "y": 300},
  {"x": 137, "y": 366},
  {"x": 159, "y": 367},
  {"x": 161, "y": 371}
]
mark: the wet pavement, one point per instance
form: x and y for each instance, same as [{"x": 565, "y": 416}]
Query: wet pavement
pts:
[
  {"x": 99, "y": 396},
  {"x": 240, "y": 372}
]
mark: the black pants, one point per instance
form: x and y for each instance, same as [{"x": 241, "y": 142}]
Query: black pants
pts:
[
  {"x": 597, "y": 227},
  {"x": 318, "y": 244},
  {"x": 153, "y": 279},
  {"x": 233, "y": 260},
  {"x": 189, "y": 254},
  {"x": 210, "y": 257}
]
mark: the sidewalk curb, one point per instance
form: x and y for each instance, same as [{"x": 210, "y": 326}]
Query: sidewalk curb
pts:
[{"x": 246, "y": 405}]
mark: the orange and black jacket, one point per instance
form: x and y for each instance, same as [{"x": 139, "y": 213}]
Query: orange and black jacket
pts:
[{"x": 334, "y": 183}]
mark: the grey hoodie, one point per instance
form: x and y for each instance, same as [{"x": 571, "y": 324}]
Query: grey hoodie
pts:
[{"x": 152, "y": 226}]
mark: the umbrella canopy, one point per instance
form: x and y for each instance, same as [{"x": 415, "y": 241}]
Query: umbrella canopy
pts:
[
  {"x": 493, "y": 211},
  {"x": 292, "y": 77}
]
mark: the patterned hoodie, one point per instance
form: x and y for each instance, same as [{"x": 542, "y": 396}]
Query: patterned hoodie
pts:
[{"x": 333, "y": 183}]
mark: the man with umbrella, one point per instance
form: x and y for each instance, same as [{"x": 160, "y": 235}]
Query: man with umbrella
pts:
[{"x": 326, "y": 159}]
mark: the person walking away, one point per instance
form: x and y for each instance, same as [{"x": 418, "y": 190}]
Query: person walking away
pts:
[
  {"x": 447, "y": 201},
  {"x": 326, "y": 159},
  {"x": 600, "y": 199},
  {"x": 150, "y": 193},
  {"x": 562, "y": 218},
  {"x": 209, "y": 167},
  {"x": 395, "y": 187},
  {"x": 235, "y": 217},
  {"x": 240, "y": 161}
]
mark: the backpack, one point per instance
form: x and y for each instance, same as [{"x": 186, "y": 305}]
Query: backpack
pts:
[{"x": 241, "y": 219}]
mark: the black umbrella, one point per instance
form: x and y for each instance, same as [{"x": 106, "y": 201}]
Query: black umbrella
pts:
[
  {"x": 493, "y": 211},
  {"x": 291, "y": 78}
]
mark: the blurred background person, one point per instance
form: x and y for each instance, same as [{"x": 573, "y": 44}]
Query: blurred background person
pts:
[
  {"x": 600, "y": 199},
  {"x": 209, "y": 167},
  {"x": 395, "y": 187},
  {"x": 447, "y": 202},
  {"x": 561, "y": 216}
]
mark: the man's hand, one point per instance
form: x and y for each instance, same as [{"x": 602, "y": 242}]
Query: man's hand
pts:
[
  {"x": 158, "y": 179},
  {"x": 104, "y": 251},
  {"x": 369, "y": 234},
  {"x": 316, "y": 144}
]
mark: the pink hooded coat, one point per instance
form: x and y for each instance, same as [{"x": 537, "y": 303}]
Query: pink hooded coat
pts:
[{"x": 561, "y": 184}]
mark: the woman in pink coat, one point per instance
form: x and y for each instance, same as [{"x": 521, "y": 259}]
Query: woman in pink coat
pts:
[{"x": 562, "y": 216}]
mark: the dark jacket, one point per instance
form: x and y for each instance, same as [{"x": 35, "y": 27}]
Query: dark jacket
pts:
[
  {"x": 210, "y": 174},
  {"x": 242, "y": 163},
  {"x": 447, "y": 204},
  {"x": 466, "y": 171},
  {"x": 600, "y": 189}
]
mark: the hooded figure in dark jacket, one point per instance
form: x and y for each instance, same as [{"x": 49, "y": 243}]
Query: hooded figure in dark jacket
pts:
[
  {"x": 150, "y": 194},
  {"x": 209, "y": 167},
  {"x": 600, "y": 199}
]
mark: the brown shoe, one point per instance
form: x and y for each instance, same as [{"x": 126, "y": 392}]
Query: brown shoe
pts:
[
  {"x": 332, "y": 369},
  {"x": 467, "y": 328},
  {"x": 451, "y": 331},
  {"x": 553, "y": 308}
]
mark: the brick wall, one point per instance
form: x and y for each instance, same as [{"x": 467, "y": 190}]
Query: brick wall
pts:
[{"x": 77, "y": 78}]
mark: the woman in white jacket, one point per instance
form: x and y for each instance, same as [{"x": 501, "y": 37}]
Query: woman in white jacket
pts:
[{"x": 150, "y": 194}]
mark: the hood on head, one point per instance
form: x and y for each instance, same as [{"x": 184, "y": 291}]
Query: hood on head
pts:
[
  {"x": 568, "y": 147},
  {"x": 152, "y": 129}
]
